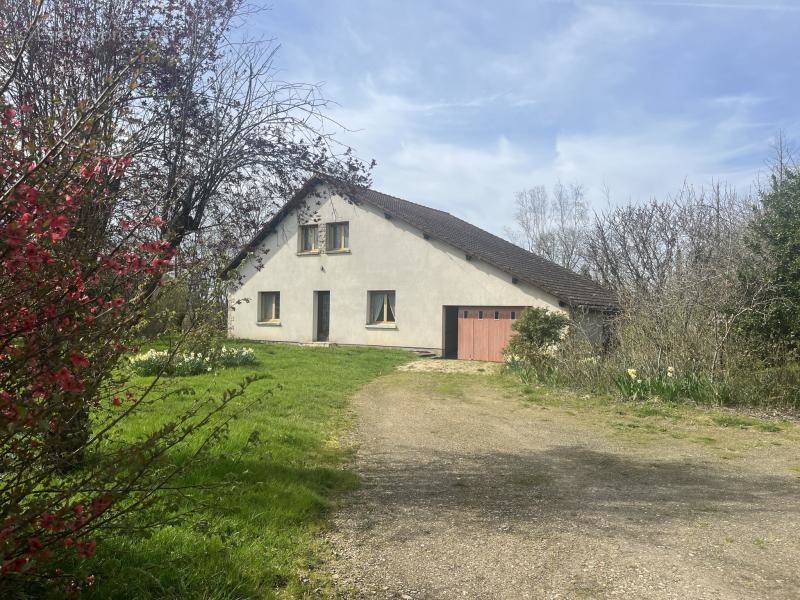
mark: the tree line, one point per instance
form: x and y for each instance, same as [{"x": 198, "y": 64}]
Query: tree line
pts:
[{"x": 708, "y": 282}]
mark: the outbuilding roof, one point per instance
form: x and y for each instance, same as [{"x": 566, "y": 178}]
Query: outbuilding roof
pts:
[{"x": 566, "y": 285}]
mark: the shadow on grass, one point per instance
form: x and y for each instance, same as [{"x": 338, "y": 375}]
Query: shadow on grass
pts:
[{"x": 230, "y": 541}]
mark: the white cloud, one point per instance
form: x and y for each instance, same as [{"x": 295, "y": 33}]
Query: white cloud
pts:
[{"x": 573, "y": 101}]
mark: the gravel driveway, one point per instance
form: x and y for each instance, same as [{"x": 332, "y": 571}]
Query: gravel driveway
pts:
[{"x": 469, "y": 492}]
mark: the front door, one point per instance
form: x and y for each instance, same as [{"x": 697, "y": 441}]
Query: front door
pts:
[{"x": 323, "y": 316}]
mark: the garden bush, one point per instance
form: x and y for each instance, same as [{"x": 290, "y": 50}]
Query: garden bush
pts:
[{"x": 531, "y": 349}]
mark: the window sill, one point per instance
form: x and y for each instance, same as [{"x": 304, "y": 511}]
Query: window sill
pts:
[
  {"x": 340, "y": 251},
  {"x": 381, "y": 326},
  {"x": 275, "y": 323},
  {"x": 308, "y": 253}
]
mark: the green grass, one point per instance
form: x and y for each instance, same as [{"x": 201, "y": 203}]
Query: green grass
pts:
[
  {"x": 744, "y": 422},
  {"x": 253, "y": 527}
]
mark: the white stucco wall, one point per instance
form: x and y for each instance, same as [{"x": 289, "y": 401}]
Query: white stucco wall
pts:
[{"x": 384, "y": 255}]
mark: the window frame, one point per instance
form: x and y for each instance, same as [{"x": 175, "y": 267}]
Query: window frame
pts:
[
  {"x": 480, "y": 314},
  {"x": 301, "y": 249},
  {"x": 275, "y": 317},
  {"x": 513, "y": 315},
  {"x": 387, "y": 306},
  {"x": 329, "y": 227}
]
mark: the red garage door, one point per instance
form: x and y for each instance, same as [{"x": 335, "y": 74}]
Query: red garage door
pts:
[{"x": 483, "y": 331}]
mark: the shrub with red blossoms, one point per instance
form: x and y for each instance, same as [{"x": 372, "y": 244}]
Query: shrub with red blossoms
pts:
[{"x": 73, "y": 290}]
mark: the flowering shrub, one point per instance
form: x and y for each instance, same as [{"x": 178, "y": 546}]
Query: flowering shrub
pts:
[
  {"x": 69, "y": 296},
  {"x": 76, "y": 272},
  {"x": 155, "y": 362}
]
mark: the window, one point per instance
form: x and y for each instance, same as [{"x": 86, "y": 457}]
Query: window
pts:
[
  {"x": 309, "y": 236},
  {"x": 480, "y": 314},
  {"x": 381, "y": 308},
  {"x": 513, "y": 315},
  {"x": 338, "y": 236},
  {"x": 269, "y": 307},
  {"x": 466, "y": 314},
  {"x": 496, "y": 315}
]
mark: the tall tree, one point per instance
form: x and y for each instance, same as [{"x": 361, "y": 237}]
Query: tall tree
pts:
[
  {"x": 773, "y": 272},
  {"x": 551, "y": 226}
]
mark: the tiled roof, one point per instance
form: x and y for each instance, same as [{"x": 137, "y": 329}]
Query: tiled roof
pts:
[{"x": 569, "y": 287}]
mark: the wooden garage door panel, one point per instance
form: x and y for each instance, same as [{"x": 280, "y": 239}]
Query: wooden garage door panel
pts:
[
  {"x": 465, "y": 336},
  {"x": 484, "y": 338}
]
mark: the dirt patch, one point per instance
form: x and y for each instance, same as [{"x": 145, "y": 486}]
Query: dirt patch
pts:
[
  {"x": 443, "y": 365},
  {"x": 468, "y": 492}
]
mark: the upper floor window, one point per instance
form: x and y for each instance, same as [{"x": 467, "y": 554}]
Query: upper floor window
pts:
[
  {"x": 381, "y": 308},
  {"x": 309, "y": 238},
  {"x": 269, "y": 307},
  {"x": 338, "y": 235}
]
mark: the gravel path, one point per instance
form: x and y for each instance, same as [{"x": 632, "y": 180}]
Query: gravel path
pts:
[{"x": 468, "y": 492}]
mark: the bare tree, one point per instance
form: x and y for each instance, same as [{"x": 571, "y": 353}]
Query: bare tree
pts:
[
  {"x": 675, "y": 267},
  {"x": 551, "y": 226},
  {"x": 218, "y": 140}
]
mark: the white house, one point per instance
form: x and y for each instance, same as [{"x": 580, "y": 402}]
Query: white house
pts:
[{"x": 348, "y": 265}]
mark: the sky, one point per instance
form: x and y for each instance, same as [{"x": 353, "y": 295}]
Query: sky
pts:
[{"x": 462, "y": 104}]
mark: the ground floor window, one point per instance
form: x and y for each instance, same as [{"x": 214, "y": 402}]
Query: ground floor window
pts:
[
  {"x": 381, "y": 307},
  {"x": 269, "y": 306}
]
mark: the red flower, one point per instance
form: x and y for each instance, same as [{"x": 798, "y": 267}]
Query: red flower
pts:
[
  {"x": 86, "y": 548},
  {"x": 59, "y": 227},
  {"x": 68, "y": 381},
  {"x": 14, "y": 565},
  {"x": 47, "y": 520},
  {"x": 79, "y": 361}
]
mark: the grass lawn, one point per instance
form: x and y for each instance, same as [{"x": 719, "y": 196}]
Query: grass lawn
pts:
[
  {"x": 727, "y": 432},
  {"x": 254, "y": 534}
]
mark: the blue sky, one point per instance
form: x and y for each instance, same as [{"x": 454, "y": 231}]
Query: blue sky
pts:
[{"x": 464, "y": 103}]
